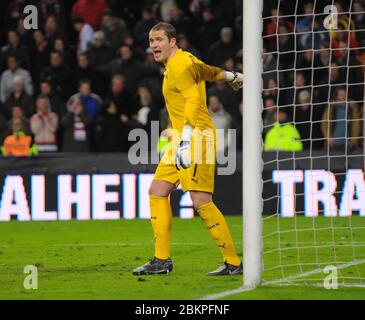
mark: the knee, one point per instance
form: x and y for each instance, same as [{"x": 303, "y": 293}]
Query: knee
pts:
[
  {"x": 160, "y": 188},
  {"x": 200, "y": 198}
]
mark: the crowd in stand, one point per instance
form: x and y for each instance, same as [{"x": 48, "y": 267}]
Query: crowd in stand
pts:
[
  {"x": 86, "y": 77},
  {"x": 314, "y": 67}
]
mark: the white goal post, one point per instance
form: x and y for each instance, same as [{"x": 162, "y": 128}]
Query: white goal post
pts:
[
  {"x": 303, "y": 142},
  {"x": 252, "y": 141}
]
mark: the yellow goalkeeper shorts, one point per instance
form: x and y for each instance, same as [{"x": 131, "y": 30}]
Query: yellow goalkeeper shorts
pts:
[{"x": 200, "y": 175}]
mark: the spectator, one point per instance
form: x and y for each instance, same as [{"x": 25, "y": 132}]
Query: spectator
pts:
[
  {"x": 270, "y": 110},
  {"x": 39, "y": 55},
  {"x": 309, "y": 63},
  {"x": 184, "y": 44},
  {"x": 91, "y": 102},
  {"x": 162, "y": 10},
  {"x": 303, "y": 118},
  {"x": 120, "y": 96},
  {"x": 332, "y": 79},
  {"x": 133, "y": 70},
  {"x": 57, "y": 74},
  {"x": 341, "y": 122},
  {"x": 223, "y": 49},
  {"x": 146, "y": 110},
  {"x": 270, "y": 29},
  {"x": 99, "y": 53},
  {"x": 85, "y": 34},
  {"x": 293, "y": 93},
  {"x": 269, "y": 62},
  {"x": 138, "y": 52},
  {"x": 283, "y": 136},
  {"x": 14, "y": 47},
  {"x": 57, "y": 105},
  {"x": 286, "y": 47},
  {"x": 18, "y": 97},
  {"x": 54, "y": 8},
  {"x": 179, "y": 20},
  {"x": 85, "y": 71},
  {"x": 342, "y": 35},
  {"x": 271, "y": 90},
  {"x": 68, "y": 55},
  {"x": 208, "y": 31},
  {"x": 304, "y": 26},
  {"x": 18, "y": 118},
  {"x": 228, "y": 64},
  {"x": 222, "y": 121},
  {"x": 153, "y": 81},
  {"x": 90, "y": 10},
  {"x": 7, "y": 78},
  {"x": 25, "y": 35},
  {"x": 18, "y": 144},
  {"x": 358, "y": 18},
  {"x": 52, "y": 29},
  {"x": 75, "y": 128},
  {"x": 322, "y": 60},
  {"x": 114, "y": 29},
  {"x": 13, "y": 12},
  {"x": 143, "y": 27},
  {"x": 44, "y": 126},
  {"x": 224, "y": 92},
  {"x": 111, "y": 129}
]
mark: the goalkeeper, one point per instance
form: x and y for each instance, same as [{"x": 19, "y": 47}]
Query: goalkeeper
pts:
[{"x": 190, "y": 161}]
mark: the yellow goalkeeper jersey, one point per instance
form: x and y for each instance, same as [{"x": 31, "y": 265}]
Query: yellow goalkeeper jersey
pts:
[{"x": 184, "y": 90}]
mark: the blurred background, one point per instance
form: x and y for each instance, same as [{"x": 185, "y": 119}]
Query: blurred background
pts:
[{"x": 85, "y": 77}]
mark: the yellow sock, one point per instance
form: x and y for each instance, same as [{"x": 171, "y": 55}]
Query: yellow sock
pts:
[
  {"x": 217, "y": 226},
  {"x": 161, "y": 218}
]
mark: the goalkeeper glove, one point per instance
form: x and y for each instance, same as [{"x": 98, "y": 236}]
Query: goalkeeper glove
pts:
[
  {"x": 234, "y": 79},
  {"x": 183, "y": 151}
]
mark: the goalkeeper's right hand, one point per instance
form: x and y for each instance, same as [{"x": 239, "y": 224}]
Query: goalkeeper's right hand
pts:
[{"x": 234, "y": 79}]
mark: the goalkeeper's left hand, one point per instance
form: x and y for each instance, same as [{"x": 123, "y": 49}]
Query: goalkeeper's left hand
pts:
[
  {"x": 234, "y": 79},
  {"x": 183, "y": 151}
]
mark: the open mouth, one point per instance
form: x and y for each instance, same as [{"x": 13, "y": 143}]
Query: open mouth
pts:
[{"x": 157, "y": 53}]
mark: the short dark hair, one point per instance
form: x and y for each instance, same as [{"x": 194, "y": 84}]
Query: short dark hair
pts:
[
  {"x": 167, "y": 27},
  {"x": 83, "y": 54},
  {"x": 77, "y": 19},
  {"x": 47, "y": 81},
  {"x": 56, "y": 52},
  {"x": 14, "y": 56},
  {"x": 42, "y": 96},
  {"x": 84, "y": 81}
]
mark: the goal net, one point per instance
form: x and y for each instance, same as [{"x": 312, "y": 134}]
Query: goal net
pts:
[{"x": 312, "y": 98}]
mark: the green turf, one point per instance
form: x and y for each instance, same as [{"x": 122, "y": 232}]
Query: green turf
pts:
[{"x": 94, "y": 259}]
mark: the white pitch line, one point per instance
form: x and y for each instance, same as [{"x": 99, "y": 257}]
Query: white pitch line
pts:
[
  {"x": 315, "y": 271},
  {"x": 223, "y": 294}
]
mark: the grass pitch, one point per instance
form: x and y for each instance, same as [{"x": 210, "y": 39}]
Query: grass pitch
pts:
[{"x": 94, "y": 259}]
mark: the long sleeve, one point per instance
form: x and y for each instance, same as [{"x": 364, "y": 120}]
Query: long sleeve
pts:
[
  {"x": 28, "y": 83},
  {"x": 36, "y": 124},
  {"x": 207, "y": 72},
  {"x": 86, "y": 36},
  {"x": 3, "y": 91},
  {"x": 52, "y": 122}
]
